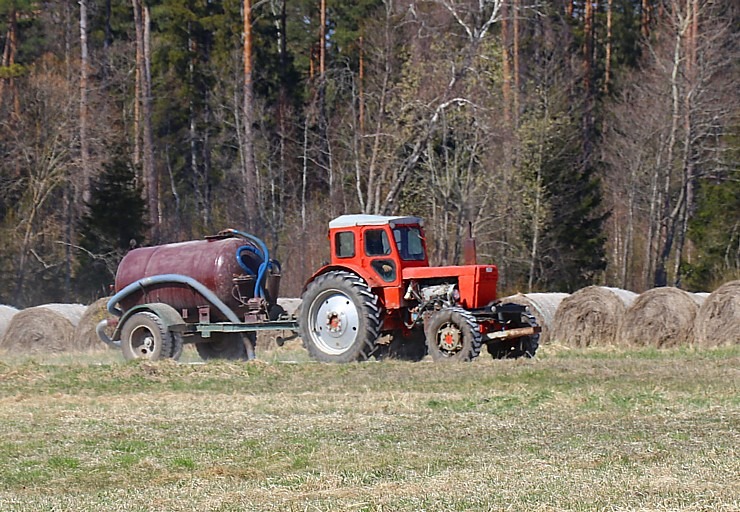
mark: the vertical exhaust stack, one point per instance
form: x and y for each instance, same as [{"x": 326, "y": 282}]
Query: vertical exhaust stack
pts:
[{"x": 470, "y": 255}]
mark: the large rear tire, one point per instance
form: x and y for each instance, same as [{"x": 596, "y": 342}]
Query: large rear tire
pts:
[
  {"x": 339, "y": 319},
  {"x": 145, "y": 336},
  {"x": 226, "y": 345},
  {"x": 453, "y": 335}
]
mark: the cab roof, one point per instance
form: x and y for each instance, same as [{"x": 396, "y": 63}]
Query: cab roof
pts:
[{"x": 349, "y": 221}]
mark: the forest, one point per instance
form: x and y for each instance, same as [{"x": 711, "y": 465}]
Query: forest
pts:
[{"x": 585, "y": 142}]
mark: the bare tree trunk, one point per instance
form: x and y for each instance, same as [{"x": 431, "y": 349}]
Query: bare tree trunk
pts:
[
  {"x": 505, "y": 64},
  {"x": 671, "y": 214},
  {"x": 361, "y": 86},
  {"x": 84, "y": 143},
  {"x": 8, "y": 60},
  {"x": 141, "y": 21},
  {"x": 588, "y": 71},
  {"x": 249, "y": 168},
  {"x": 645, "y": 18},
  {"x": 515, "y": 59},
  {"x": 324, "y": 156},
  {"x": 375, "y": 183},
  {"x": 608, "y": 56}
]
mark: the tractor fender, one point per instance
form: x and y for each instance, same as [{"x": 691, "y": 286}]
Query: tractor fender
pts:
[
  {"x": 169, "y": 316},
  {"x": 371, "y": 281}
]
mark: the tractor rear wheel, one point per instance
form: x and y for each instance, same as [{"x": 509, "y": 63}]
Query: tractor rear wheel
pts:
[
  {"x": 525, "y": 346},
  {"x": 340, "y": 318},
  {"x": 145, "y": 336},
  {"x": 226, "y": 345},
  {"x": 453, "y": 335}
]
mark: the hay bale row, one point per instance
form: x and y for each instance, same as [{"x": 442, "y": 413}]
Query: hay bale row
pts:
[
  {"x": 542, "y": 305},
  {"x": 43, "y": 329},
  {"x": 53, "y": 328},
  {"x": 590, "y": 317},
  {"x": 660, "y": 317},
  {"x": 718, "y": 319}
]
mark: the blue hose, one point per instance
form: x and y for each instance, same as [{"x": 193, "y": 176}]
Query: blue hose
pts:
[
  {"x": 259, "y": 290},
  {"x": 241, "y": 263}
]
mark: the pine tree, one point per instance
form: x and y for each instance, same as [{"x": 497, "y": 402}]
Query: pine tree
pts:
[{"x": 115, "y": 222}]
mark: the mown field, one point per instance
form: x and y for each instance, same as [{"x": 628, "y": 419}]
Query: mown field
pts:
[{"x": 569, "y": 430}]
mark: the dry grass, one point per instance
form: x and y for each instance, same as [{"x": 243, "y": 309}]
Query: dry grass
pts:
[{"x": 569, "y": 430}]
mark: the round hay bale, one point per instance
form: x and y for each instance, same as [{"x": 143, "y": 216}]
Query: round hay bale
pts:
[
  {"x": 590, "y": 316},
  {"x": 85, "y": 337},
  {"x": 6, "y": 315},
  {"x": 43, "y": 329},
  {"x": 660, "y": 317},
  {"x": 542, "y": 305},
  {"x": 718, "y": 320}
]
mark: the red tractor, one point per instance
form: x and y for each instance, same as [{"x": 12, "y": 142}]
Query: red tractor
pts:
[{"x": 379, "y": 297}]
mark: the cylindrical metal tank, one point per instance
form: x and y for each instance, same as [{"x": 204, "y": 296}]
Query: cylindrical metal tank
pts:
[{"x": 212, "y": 262}]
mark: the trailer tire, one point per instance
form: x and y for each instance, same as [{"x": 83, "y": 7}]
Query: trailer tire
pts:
[
  {"x": 453, "y": 335},
  {"x": 145, "y": 336},
  {"x": 227, "y": 345},
  {"x": 339, "y": 320}
]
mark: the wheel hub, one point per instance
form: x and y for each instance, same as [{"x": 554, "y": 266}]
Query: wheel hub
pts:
[
  {"x": 449, "y": 338},
  {"x": 334, "y": 322},
  {"x": 143, "y": 341}
]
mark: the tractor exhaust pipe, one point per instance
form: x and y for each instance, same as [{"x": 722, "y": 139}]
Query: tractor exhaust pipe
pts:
[{"x": 470, "y": 256}]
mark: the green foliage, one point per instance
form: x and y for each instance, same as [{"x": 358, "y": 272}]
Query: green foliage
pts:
[
  {"x": 113, "y": 223},
  {"x": 571, "y": 249},
  {"x": 715, "y": 233}
]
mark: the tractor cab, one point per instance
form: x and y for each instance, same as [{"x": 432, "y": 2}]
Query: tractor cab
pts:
[{"x": 381, "y": 246}]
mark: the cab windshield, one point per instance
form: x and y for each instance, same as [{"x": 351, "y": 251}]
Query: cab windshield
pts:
[{"x": 409, "y": 243}]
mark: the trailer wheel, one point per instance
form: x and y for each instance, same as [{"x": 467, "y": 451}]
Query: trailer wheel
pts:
[
  {"x": 526, "y": 346},
  {"x": 339, "y": 320},
  {"x": 227, "y": 345},
  {"x": 145, "y": 336},
  {"x": 453, "y": 335}
]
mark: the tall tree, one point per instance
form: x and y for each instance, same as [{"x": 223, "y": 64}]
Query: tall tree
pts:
[
  {"x": 144, "y": 100},
  {"x": 84, "y": 65}
]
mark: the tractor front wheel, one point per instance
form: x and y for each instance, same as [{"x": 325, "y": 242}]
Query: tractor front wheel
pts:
[
  {"x": 453, "y": 335},
  {"x": 339, "y": 319}
]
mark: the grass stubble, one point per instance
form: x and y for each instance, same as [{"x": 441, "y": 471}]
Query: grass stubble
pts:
[{"x": 569, "y": 430}]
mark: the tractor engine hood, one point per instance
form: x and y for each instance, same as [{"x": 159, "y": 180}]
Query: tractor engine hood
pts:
[{"x": 476, "y": 283}]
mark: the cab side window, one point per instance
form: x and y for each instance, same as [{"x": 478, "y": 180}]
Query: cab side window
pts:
[
  {"x": 344, "y": 243},
  {"x": 377, "y": 243}
]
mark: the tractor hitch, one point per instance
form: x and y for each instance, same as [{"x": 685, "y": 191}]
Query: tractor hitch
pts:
[{"x": 513, "y": 333}]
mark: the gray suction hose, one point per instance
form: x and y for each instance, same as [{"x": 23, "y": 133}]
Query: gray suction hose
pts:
[{"x": 142, "y": 284}]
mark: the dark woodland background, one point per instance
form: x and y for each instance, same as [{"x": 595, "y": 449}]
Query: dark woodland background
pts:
[{"x": 586, "y": 142}]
